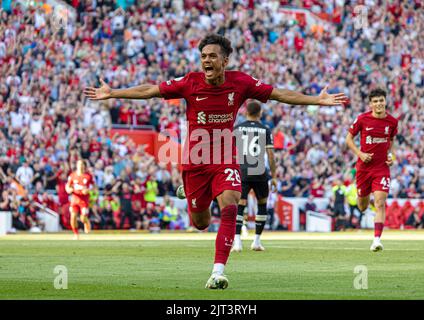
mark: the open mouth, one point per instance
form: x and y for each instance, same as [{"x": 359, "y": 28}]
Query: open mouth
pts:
[{"x": 208, "y": 70}]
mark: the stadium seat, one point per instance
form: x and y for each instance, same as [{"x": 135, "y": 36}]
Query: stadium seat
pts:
[
  {"x": 392, "y": 213},
  {"x": 406, "y": 211},
  {"x": 421, "y": 206}
]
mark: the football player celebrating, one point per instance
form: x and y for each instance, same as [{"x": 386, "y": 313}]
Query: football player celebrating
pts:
[
  {"x": 79, "y": 183},
  {"x": 213, "y": 99},
  {"x": 375, "y": 156}
]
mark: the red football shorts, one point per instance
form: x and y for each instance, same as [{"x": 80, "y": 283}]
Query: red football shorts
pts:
[
  {"x": 78, "y": 205},
  {"x": 368, "y": 181},
  {"x": 202, "y": 186}
]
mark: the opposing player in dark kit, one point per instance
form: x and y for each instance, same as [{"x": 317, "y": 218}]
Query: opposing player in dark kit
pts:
[{"x": 254, "y": 140}]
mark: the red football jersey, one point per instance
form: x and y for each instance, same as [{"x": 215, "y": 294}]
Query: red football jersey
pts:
[
  {"x": 376, "y": 136},
  {"x": 78, "y": 183},
  {"x": 211, "y": 111}
]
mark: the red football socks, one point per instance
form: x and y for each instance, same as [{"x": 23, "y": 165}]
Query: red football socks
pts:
[
  {"x": 226, "y": 232},
  {"x": 378, "y": 229}
]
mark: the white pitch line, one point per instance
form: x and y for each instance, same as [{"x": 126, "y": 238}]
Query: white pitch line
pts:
[
  {"x": 327, "y": 248},
  {"x": 168, "y": 236}
]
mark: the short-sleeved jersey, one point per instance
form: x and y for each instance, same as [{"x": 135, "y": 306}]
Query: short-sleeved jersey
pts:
[
  {"x": 376, "y": 137},
  {"x": 211, "y": 112},
  {"x": 252, "y": 139},
  {"x": 78, "y": 183}
]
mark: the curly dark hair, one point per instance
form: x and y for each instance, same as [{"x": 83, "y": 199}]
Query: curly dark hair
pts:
[
  {"x": 378, "y": 92},
  {"x": 214, "y": 38}
]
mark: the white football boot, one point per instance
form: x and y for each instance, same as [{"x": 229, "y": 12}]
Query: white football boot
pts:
[
  {"x": 257, "y": 246},
  {"x": 237, "y": 245},
  {"x": 376, "y": 245},
  {"x": 217, "y": 281}
]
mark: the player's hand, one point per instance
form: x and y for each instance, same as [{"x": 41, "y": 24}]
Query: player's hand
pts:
[
  {"x": 326, "y": 99},
  {"x": 84, "y": 192},
  {"x": 102, "y": 93},
  {"x": 69, "y": 190},
  {"x": 390, "y": 159},
  {"x": 273, "y": 185},
  {"x": 366, "y": 157}
]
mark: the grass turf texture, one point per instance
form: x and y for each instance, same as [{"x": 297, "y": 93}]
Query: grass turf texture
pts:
[{"x": 295, "y": 269}]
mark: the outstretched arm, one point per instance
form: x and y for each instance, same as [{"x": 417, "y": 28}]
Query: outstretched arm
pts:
[
  {"x": 294, "y": 97},
  {"x": 144, "y": 91}
]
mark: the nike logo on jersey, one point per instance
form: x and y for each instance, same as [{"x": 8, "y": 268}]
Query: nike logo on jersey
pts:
[
  {"x": 368, "y": 129},
  {"x": 200, "y": 99},
  {"x": 235, "y": 185}
]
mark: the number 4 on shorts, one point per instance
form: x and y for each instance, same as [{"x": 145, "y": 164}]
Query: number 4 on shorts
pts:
[{"x": 385, "y": 182}]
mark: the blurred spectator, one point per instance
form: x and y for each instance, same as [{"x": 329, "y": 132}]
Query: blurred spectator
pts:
[
  {"x": 310, "y": 204},
  {"x": 95, "y": 217},
  {"x": 171, "y": 218},
  {"x": 25, "y": 175},
  {"x": 339, "y": 196},
  {"x": 152, "y": 190},
  {"x": 124, "y": 192},
  {"x": 414, "y": 219},
  {"x": 164, "y": 183},
  {"x": 152, "y": 217},
  {"x": 109, "y": 208},
  {"x": 352, "y": 200}
]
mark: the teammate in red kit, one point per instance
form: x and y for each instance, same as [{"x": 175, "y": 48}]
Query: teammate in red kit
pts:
[
  {"x": 377, "y": 128},
  {"x": 79, "y": 183},
  {"x": 213, "y": 99}
]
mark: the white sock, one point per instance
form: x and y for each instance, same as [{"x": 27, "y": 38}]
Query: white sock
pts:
[
  {"x": 257, "y": 238},
  {"x": 237, "y": 238},
  {"x": 218, "y": 268},
  {"x": 377, "y": 239}
]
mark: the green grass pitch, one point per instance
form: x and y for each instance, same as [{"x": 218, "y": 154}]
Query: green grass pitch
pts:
[{"x": 179, "y": 269}]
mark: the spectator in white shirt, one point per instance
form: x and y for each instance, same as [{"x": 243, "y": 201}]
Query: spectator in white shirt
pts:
[
  {"x": 16, "y": 118},
  {"x": 24, "y": 175}
]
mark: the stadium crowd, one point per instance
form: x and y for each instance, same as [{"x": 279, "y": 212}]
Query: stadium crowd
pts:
[{"x": 46, "y": 123}]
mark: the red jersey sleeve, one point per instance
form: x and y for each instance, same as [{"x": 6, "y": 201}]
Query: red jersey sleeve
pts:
[
  {"x": 355, "y": 127},
  {"x": 256, "y": 89},
  {"x": 174, "y": 89},
  {"x": 395, "y": 130}
]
